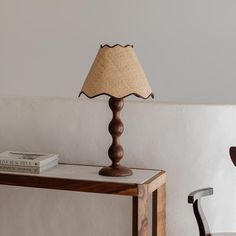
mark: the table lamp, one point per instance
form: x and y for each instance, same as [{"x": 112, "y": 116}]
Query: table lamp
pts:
[{"x": 116, "y": 72}]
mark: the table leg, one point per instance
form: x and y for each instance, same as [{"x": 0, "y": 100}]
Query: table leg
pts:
[
  {"x": 140, "y": 213},
  {"x": 159, "y": 211}
]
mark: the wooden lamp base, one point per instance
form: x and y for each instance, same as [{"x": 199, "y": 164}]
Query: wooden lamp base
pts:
[
  {"x": 115, "y": 151},
  {"x": 120, "y": 171}
]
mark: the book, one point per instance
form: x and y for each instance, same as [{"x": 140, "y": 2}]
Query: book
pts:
[
  {"x": 28, "y": 169},
  {"x": 26, "y": 158},
  {"x": 27, "y": 162}
]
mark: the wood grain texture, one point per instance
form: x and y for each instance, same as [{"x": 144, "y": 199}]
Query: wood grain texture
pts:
[
  {"x": 156, "y": 181},
  {"x": 69, "y": 184},
  {"x": 116, "y": 152},
  {"x": 159, "y": 211},
  {"x": 140, "y": 212},
  {"x": 37, "y": 181}
]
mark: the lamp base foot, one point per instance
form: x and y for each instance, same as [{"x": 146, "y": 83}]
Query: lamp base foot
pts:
[{"x": 120, "y": 171}]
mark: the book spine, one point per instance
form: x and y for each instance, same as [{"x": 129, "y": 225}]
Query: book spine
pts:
[
  {"x": 49, "y": 160},
  {"x": 18, "y": 162},
  {"x": 23, "y": 169}
]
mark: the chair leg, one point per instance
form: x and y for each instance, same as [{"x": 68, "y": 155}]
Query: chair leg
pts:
[{"x": 201, "y": 220}]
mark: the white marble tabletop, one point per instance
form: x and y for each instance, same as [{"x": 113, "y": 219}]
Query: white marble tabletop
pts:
[{"x": 90, "y": 173}]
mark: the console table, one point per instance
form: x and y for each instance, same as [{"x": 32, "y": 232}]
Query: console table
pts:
[{"x": 83, "y": 178}]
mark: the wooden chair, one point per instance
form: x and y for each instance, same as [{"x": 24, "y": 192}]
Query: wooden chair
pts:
[{"x": 195, "y": 199}]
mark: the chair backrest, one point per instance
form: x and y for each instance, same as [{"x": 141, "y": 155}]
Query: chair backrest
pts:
[
  {"x": 232, "y": 152},
  {"x": 195, "y": 199}
]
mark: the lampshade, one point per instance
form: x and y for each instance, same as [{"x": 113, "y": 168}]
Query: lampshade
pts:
[{"x": 116, "y": 72}]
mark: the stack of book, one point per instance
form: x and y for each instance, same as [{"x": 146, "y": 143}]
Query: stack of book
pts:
[{"x": 27, "y": 162}]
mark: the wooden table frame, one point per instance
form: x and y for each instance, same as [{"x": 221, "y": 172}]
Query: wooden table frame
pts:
[{"x": 155, "y": 186}]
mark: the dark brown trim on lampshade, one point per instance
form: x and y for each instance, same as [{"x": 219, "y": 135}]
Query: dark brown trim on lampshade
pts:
[
  {"x": 115, "y": 45},
  {"x": 116, "y": 72},
  {"x": 151, "y": 95}
]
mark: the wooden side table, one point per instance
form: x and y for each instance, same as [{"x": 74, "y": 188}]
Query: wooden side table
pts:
[{"x": 81, "y": 178}]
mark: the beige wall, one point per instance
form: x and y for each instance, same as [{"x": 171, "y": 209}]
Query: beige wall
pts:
[{"x": 187, "y": 47}]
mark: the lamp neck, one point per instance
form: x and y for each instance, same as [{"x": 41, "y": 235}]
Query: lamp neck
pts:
[{"x": 116, "y": 128}]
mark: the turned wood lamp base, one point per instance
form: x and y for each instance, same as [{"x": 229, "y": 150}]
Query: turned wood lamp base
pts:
[
  {"x": 115, "y": 151},
  {"x": 120, "y": 171}
]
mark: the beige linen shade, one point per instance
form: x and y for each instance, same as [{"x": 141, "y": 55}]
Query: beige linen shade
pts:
[{"x": 116, "y": 72}]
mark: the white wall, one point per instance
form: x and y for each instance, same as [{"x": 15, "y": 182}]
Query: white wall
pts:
[
  {"x": 187, "y": 47},
  {"x": 188, "y": 51},
  {"x": 190, "y": 142}
]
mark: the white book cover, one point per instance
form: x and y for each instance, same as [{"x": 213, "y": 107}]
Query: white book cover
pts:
[
  {"x": 27, "y": 158},
  {"x": 28, "y": 169}
]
